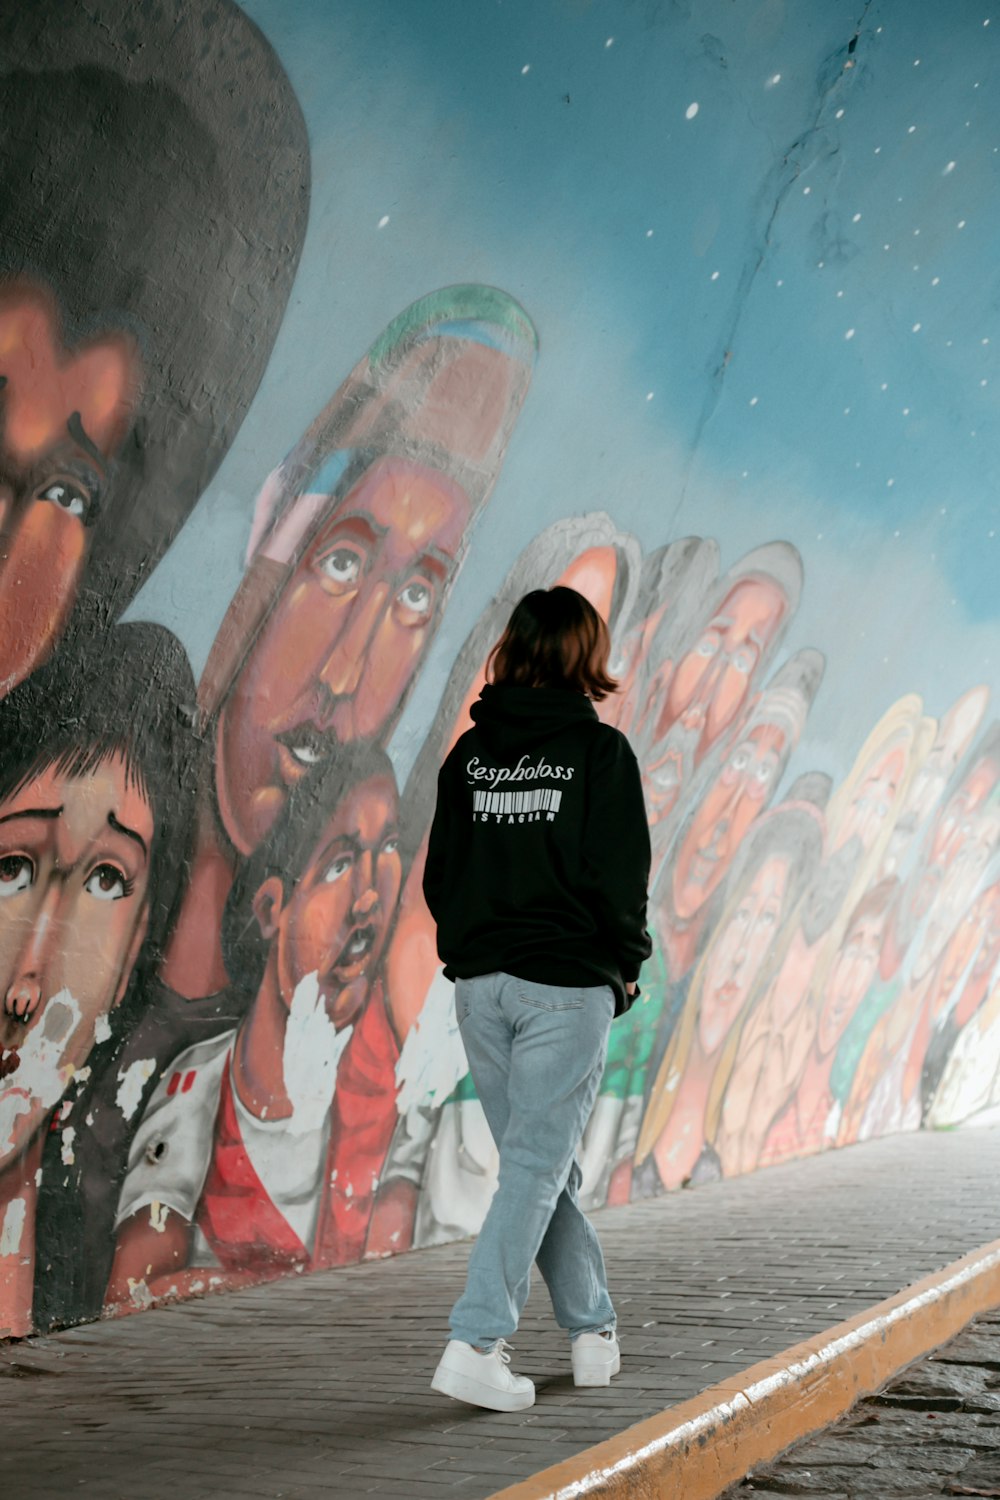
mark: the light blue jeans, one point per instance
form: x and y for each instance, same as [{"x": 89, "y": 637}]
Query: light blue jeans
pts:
[{"x": 536, "y": 1053}]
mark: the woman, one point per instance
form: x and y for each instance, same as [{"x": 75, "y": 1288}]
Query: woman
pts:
[{"x": 536, "y": 875}]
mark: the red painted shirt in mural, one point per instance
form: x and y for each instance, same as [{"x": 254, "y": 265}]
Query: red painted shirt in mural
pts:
[{"x": 298, "y": 1199}]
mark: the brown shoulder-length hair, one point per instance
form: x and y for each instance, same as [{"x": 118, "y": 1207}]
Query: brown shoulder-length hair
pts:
[{"x": 556, "y": 639}]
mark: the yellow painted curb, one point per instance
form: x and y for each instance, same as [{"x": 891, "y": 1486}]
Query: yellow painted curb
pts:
[{"x": 696, "y": 1450}]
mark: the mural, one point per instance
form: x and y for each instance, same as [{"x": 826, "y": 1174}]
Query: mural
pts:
[{"x": 731, "y": 380}]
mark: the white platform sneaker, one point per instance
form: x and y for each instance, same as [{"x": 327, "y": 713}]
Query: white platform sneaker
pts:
[
  {"x": 482, "y": 1379},
  {"x": 596, "y": 1357}
]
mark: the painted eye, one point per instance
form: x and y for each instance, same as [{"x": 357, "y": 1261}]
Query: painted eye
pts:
[
  {"x": 69, "y": 496},
  {"x": 16, "y": 874},
  {"x": 390, "y": 846},
  {"x": 415, "y": 601},
  {"x": 743, "y": 662},
  {"x": 708, "y": 646},
  {"x": 337, "y": 868},
  {"x": 107, "y": 884},
  {"x": 342, "y": 566}
]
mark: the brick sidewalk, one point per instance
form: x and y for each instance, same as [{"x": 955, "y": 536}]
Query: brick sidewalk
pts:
[{"x": 318, "y": 1387}]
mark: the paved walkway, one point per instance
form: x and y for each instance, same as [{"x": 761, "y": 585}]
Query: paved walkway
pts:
[{"x": 319, "y": 1386}]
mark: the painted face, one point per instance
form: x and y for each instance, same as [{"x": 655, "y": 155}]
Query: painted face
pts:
[
  {"x": 738, "y": 951},
  {"x": 957, "y": 887},
  {"x": 62, "y": 417},
  {"x": 850, "y": 978},
  {"x": 710, "y": 686},
  {"x": 724, "y": 815},
  {"x": 334, "y": 923},
  {"x": 74, "y": 874},
  {"x": 344, "y": 638},
  {"x": 873, "y": 799},
  {"x": 955, "y": 826}
]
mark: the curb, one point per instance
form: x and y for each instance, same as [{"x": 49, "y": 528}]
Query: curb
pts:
[{"x": 696, "y": 1450}]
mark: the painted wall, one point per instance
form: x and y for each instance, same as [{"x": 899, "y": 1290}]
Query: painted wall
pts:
[{"x": 326, "y": 331}]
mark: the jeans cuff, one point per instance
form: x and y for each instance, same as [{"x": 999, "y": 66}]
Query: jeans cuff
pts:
[{"x": 608, "y": 1327}]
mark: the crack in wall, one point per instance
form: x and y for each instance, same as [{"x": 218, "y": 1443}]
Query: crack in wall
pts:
[{"x": 811, "y": 146}]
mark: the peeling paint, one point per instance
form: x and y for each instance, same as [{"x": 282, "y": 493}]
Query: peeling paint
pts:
[
  {"x": 313, "y": 1047},
  {"x": 13, "y": 1227},
  {"x": 132, "y": 1082}
]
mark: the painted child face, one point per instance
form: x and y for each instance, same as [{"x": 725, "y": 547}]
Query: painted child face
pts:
[
  {"x": 334, "y": 923},
  {"x": 62, "y": 417},
  {"x": 340, "y": 647},
  {"x": 74, "y": 875},
  {"x": 850, "y": 977},
  {"x": 710, "y": 686},
  {"x": 723, "y": 818},
  {"x": 738, "y": 950}
]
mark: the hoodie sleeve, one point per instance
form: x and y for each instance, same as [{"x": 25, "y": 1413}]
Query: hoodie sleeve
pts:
[
  {"x": 438, "y": 844},
  {"x": 616, "y": 852}
]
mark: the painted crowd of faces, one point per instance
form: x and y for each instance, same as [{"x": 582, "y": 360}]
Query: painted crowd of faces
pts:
[{"x": 227, "y": 1050}]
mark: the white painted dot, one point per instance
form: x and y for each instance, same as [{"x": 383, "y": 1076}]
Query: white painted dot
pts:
[
  {"x": 691, "y": 110},
  {"x": 714, "y": 276},
  {"x": 895, "y": 533},
  {"x": 610, "y": 42},
  {"x": 984, "y": 341},
  {"x": 847, "y": 411},
  {"x": 878, "y": 150},
  {"x": 961, "y": 224},
  {"x": 935, "y": 281},
  {"x": 649, "y": 395},
  {"x": 806, "y": 191},
  {"x": 916, "y": 328},
  {"x": 819, "y": 536},
  {"x": 754, "y": 400},
  {"x": 383, "y": 221},
  {"x": 840, "y": 294},
  {"x": 856, "y": 219},
  {"x": 916, "y": 62},
  {"x": 774, "y": 78},
  {"x": 820, "y": 264},
  {"x": 885, "y": 385},
  {"x": 780, "y": 281},
  {"x": 944, "y": 510},
  {"x": 525, "y": 69},
  {"x": 911, "y": 130},
  {"x": 649, "y": 234},
  {"x": 949, "y": 168},
  {"x": 987, "y": 21},
  {"x": 885, "y": 247},
  {"x": 746, "y": 473},
  {"x": 916, "y": 231},
  {"x": 992, "y": 533},
  {"x": 889, "y": 483},
  {"x": 839, "y": 115},
  {"x": 984, "y": 382},
  {"x": 906, "y": 411},
  {"x": 849, "y": 334}
]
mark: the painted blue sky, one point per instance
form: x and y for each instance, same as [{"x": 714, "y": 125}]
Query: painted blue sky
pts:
[{"x": 759, "y": 244}]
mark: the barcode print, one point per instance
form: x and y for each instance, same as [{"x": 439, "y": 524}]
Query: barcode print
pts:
[{"x": 539, "y": 799}]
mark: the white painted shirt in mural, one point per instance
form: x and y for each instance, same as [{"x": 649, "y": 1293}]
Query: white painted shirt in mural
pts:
[{"x": 172, "y": 1149}]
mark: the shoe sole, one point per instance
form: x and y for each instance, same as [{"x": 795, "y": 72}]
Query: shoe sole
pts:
[
  {"x": 601, "y": 1376},
  {"x": 475, "y": 1393}
]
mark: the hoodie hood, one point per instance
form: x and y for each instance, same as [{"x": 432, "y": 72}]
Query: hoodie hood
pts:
[{"x": 528, "y": 715}]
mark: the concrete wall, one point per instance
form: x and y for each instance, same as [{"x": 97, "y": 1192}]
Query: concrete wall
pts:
[{"x": 326, "y": 331}]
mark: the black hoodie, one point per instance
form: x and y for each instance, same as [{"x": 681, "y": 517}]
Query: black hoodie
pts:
[{"x": 538, "y": 859}]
